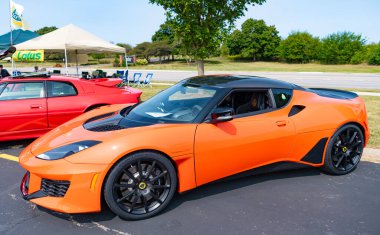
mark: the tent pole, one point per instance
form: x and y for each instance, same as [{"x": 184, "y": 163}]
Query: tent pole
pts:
[
  {"x": 11, "y": 36},
  {"x": 76, "y": 58},
  {"x": 67, "y": 72}
]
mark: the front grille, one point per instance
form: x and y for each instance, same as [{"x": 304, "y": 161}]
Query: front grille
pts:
[{"x": 55, "y": 188}]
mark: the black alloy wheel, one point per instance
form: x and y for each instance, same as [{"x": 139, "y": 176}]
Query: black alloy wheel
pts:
[
  {"x": 140, "y": 185},
  {"x": 345, "y": 150}
]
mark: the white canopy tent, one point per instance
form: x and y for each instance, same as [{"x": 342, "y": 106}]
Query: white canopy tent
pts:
[{"x": 70, "y": 38}]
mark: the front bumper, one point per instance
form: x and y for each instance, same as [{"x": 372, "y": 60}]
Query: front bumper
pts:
[{"x": 83, "y": 194}]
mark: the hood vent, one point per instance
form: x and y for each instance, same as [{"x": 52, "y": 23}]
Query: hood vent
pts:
[{"x": 104, "y": 122}]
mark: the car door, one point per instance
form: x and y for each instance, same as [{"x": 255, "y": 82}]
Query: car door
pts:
[
  {"x": 249, "y": 140},
  {"x": 63, "y": 102},
  {"x": 23, "y": 107}
]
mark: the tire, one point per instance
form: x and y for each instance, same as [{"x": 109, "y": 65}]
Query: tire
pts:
[
  {"x": 140, "y": 186},
  {"x": 344, "y": 150}
]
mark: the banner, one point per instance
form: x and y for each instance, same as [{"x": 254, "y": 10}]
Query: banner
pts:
[
  {"x": 16, "y": 16},
  {"x": 38, "y": 55}
]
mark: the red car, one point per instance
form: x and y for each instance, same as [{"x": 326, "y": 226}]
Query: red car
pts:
[{"x": 31, "y": 106}]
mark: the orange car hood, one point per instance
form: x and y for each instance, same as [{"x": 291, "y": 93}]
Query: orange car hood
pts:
[{"x": 151, "y": 136}]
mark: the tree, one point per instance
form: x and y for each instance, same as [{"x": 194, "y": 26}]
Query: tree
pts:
[
  {"x": 339, "y": 48},
  {"x": 200, "y": 25},
  {"x": 141, "y": 50},
  {"x": 235, "y": 42},
  {"x": 299, "y": 47},
  {"x": 260, "y": 41},
  {"x": 255, "y": 40},
  {"x": 128, "y": 48},
  {"x": 164, "y": 33},
  {"x": 45, "y": 30},
  {"x": 160, "y": 49}
]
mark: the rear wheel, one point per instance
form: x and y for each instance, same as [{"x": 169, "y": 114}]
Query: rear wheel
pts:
[
  {"x": 344, "y": 150},
  {"x": 140, "y": 186}
]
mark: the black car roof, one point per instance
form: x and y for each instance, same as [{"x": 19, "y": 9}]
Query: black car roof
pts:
[{"x": 239, "y": 81}]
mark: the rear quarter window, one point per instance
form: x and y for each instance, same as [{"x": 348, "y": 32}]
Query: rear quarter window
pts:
[
  {"x": 59, "y": 89},
  {"x": 282, "y": 97}
]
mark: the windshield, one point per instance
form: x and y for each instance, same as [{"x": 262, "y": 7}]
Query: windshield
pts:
[{"x": 179, "y": 103}]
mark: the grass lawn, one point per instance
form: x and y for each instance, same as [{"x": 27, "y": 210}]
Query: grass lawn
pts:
[
  {"x": 372, "y": 105},
  {"x": 223, "y": 64},
  {"x": 373, "y": 109}
]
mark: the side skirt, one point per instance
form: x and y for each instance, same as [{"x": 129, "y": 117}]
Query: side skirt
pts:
[{"x": 274, "y": 167}]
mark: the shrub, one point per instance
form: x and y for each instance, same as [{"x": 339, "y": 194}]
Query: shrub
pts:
[
  {"x": 105, "y": 61},
  {"x": 359, "y": 57},
  {"x": 340, "y": 48},
  {"x": 116, "y": 62},
  {"x": 234, "y": 57},
  {"x": 141, "y": 62},
  {"x": 299, "y": 47},
  {"x": 374, "y": 55}
]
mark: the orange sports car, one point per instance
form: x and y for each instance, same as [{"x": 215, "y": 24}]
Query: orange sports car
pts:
[{"x": 200, "y": 130}]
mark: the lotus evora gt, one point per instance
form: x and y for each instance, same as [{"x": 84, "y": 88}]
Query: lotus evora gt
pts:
[{"x": 200, "y": 130}]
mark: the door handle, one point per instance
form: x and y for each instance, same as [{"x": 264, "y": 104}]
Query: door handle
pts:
[
  {"x": 35, "y": 106},
  {"x": 281, "y": 123}
]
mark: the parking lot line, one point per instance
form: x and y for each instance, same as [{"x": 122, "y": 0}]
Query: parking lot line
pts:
[{"x": 9, "y": 157}]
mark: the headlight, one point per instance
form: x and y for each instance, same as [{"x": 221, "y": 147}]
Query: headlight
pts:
[{"x": 67, "y": 150}]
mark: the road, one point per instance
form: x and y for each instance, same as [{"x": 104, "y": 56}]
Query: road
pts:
[
  {"x": 293, "y": 202},
  {"x": 309, "y": 79}
]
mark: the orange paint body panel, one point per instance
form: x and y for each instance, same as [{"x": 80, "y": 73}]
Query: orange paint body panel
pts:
[{"x": 201, "y": 152}]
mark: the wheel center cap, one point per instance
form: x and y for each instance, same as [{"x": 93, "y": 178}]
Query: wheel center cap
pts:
[
  {"x": 142, "y": 185},
  {"x": 344, "y": 149}
]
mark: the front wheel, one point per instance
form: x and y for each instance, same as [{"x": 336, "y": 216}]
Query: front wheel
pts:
[
  {"x": 344, "y": 151},
  {"x": 140, "y": 185}
]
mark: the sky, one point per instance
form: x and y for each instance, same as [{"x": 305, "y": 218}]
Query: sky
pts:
[{"x": 135, "y": 21}]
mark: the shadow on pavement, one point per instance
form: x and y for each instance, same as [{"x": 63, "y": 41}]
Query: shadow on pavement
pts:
[
  {"x": 207, "y": 190},
  {"x": 15, "y": 144},
  {"x": 237, "y": 182}
]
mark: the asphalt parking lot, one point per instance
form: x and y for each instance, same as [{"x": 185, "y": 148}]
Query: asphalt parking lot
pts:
[{"x": 303, "y": 201}]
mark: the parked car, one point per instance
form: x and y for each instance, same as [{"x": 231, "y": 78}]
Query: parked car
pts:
[
  {"x": 31, "y": 106},
  {"x": 200, "y": 130}
]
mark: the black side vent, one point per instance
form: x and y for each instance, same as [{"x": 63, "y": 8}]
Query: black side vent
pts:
[
  {"x": 315, "y": 155},
  {"x": 55, "y": 188},
  {"x": 295, "y": 109}
]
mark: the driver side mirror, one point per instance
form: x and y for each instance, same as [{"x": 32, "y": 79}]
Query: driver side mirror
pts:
[{"x": 222, "y": 115}]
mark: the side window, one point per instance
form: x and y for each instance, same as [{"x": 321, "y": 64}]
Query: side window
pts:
[
  {"x": 247, "y": 101},
  {"x": 59, "y": 89},
  {"x": 1, "y": 87},
  {"x": 282, "y": 97},
  {"x": 23, "y": 90}
]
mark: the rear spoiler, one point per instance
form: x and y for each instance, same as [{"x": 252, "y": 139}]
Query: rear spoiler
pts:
[
  {"x": 334, "y": 93},
  {"x": 107, "y": 82},
  {"x": 7, "y": 52}
]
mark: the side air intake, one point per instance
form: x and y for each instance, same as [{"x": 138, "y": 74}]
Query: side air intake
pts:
[{"x": 296, "y": 109}]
